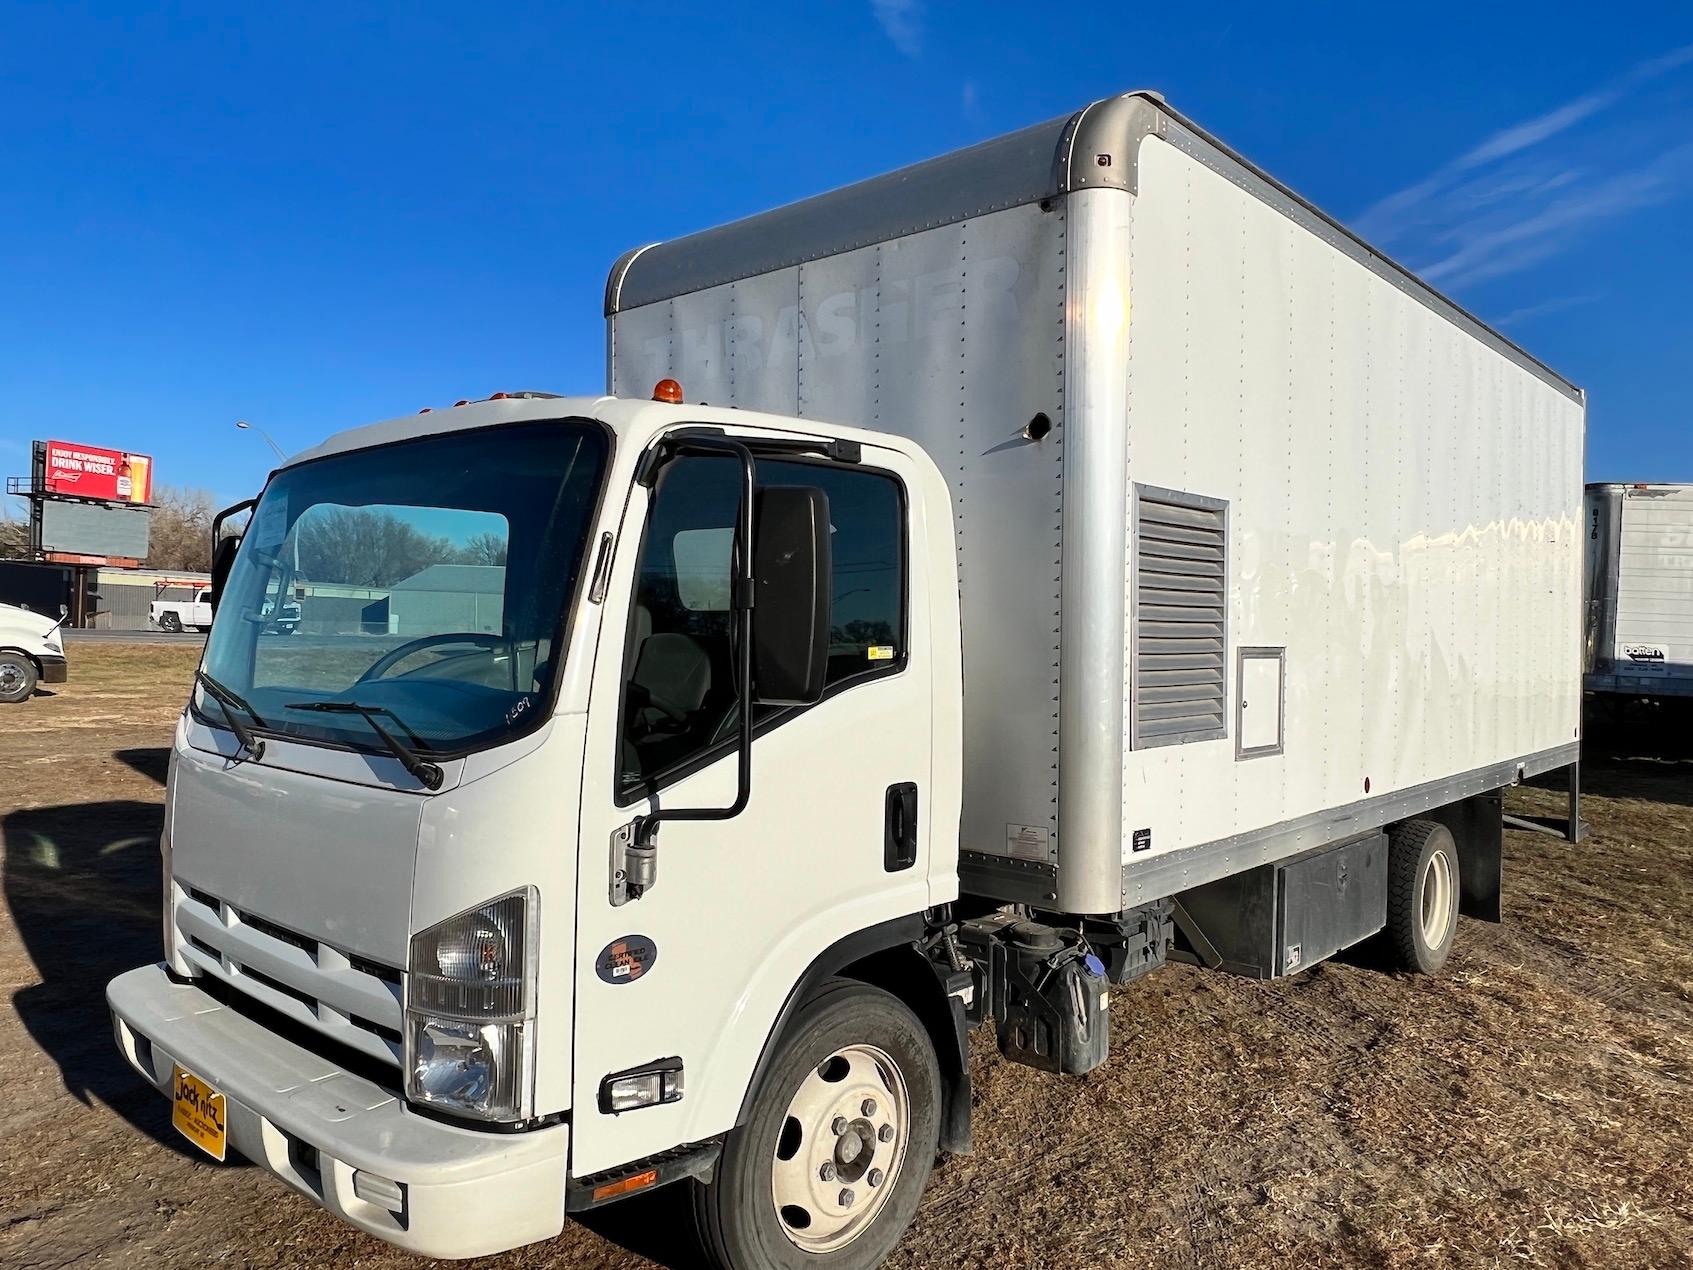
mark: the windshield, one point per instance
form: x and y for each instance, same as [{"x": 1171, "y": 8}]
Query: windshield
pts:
[{"x": 426, "y": 580}]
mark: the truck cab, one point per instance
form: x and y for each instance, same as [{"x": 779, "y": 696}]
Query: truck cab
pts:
[
  {"x": 465, "y": 928},
  {"x": 32, "y": 652}
]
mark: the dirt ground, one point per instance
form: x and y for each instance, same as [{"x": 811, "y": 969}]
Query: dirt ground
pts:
[{"x": 1533, "y": 1105}]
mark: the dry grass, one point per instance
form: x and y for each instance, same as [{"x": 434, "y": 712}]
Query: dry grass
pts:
[{"x": 1531, "y": 1106}]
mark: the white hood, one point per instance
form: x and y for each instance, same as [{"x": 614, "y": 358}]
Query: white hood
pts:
[{"x": 18, "y": 623}]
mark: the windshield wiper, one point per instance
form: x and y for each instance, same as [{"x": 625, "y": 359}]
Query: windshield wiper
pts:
[
  {"x": 229, "y": 702},
  {"x": 427, "y": 773}
]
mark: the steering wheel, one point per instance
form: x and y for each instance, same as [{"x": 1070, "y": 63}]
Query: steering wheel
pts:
[{"x": 394, "y": 656}]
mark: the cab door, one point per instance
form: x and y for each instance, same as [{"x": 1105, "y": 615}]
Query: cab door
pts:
[{"x": 835, "y": 838}]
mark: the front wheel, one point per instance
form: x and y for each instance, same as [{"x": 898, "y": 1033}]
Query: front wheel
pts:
[
  {"x": 830, "y": 1166},
  {"x": 17, "y": 678}
]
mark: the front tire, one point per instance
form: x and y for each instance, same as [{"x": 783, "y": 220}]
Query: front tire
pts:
[
  {"x": 17, "y": 678},
  {"x": 1422, "y": 895},
  {"x": 830, "y": 1166}
]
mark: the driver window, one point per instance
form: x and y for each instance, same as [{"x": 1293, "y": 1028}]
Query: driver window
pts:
[
  {"x": 679, "y": 683},
  {"x": 679, "y": 698}
]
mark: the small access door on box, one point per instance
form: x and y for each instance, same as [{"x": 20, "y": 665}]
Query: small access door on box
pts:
[{"x": 1261, "y": 702}]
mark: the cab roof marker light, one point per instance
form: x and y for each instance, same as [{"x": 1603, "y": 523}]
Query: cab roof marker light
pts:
[{"x": 668, "y": 390}]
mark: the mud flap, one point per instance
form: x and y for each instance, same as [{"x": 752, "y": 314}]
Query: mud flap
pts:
[{"x": 1478, "y": 827}]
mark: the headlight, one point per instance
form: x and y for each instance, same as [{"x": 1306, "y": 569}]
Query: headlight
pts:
[{"x": 470, "y": 989}]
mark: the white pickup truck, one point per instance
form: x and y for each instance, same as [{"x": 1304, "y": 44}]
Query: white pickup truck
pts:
[
  {"x": 32, "y": 651},
  {"x": 181, "y": 615}
]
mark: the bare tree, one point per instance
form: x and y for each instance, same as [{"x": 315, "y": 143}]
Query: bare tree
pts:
[
  {"x": 14, "y": 536},
  {"x": 181, "y": 536},
  {"x": 485, "y": 548},
  {"x": 360, "y": 546}
]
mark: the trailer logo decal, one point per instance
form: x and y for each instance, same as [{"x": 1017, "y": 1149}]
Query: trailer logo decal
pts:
[
  {"x": 626, "y": 959},
  {"x": 1142, "y": 840}
]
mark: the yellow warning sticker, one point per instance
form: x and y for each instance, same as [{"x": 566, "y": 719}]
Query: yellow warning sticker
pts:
[{"x": 880, "y": 652}]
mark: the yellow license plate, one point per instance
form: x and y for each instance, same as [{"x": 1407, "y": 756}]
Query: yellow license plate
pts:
[{"x": 199, "y": 1113}]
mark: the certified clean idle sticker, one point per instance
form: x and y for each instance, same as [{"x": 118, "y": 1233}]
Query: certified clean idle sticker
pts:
[
  {"x": 1028, "y": 842},
  {"x": 626, "y": 959}
]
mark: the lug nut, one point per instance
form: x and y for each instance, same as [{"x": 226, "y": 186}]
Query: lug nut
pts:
[
  {"x": 839, "y": 1127},
  {"x": 827, "y": 1172},
  {"x": 875, "y": 1177},
  {"x": 845, "y": 1198},
  {"x": 869, "y": 1107},
  {"x": 886, "y": 1133}
]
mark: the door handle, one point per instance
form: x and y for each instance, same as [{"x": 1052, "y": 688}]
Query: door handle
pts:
[{"x": 899, "y": 839}]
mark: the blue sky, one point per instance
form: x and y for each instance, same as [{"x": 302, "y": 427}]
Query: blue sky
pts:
[{"x": 316, "y": 217}]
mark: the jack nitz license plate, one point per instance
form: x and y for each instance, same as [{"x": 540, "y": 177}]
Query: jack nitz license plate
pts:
[{"x": 199, "y": 1113}]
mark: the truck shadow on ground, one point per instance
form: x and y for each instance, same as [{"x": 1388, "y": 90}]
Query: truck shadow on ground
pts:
[
  {"x": 153, "y": 762},
  {"x": 83, "y": 885},
  {"x": 1634, "y": 749},
  {"x": 655, "y": 1226}
]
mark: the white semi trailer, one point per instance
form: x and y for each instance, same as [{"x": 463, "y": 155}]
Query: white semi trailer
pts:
[
  {"x": 1639, "y": 590},
  {"x": 1091, "y": 557}
]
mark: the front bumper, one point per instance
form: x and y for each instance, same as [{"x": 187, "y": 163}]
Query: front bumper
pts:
[
  {"x": 464, "y": 1193},
  {"x": 54, "y": 670}
]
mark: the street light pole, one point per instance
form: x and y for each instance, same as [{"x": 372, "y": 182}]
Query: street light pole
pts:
[{"x": 247, "y": 427}]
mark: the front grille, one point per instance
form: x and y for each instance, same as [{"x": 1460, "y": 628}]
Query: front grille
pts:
[
  {"x": 282, "y": 933},
  {"x": 349, "y": 998},
  {"x": 276, "y": 985}
]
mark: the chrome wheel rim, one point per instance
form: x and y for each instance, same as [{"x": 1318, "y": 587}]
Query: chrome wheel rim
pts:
[
  {"x": 840, "y": 1148},
  {"x": 1437, "y": 898},
  {"x": 11, "y": 677}
]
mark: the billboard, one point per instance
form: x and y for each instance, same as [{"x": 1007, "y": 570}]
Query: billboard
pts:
[
  {"x": 91, "y": 471},
  {"x": 88, "y": 529}
]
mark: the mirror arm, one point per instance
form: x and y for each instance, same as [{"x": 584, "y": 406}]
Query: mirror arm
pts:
[{"x": 741, "y": 598}]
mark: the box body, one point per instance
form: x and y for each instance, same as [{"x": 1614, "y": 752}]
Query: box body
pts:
[
  {"x": 1262, "y": 543},
  {"x": 1639, "y": 590}
]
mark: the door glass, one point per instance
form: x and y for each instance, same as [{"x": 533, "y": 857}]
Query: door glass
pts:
[{"x": 680, "y": 699}]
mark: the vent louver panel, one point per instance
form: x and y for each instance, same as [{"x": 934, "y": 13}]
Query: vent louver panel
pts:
[{"x": 1181, "y": 616}]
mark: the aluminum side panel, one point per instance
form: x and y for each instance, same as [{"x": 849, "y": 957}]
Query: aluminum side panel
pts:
[
  {"x": 1405, "y": 514},
  {"x": 952, "y": 337}
]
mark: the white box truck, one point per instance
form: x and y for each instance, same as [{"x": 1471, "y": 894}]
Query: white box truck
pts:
[
  {"x": 1091, "y": 556},
  {"x": 1639, "y": 590}
]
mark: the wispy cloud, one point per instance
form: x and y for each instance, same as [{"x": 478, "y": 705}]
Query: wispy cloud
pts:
[
  {"x": 1545, "y": 308},
  {"x": 970, "y": 100},
  {"x": 902, "y": 22},
  {"x": 1512, "y": 200}
]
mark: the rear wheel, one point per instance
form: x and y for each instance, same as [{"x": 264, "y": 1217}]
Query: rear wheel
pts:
[
  {"x": 1422, "y": 895},
  {"x": 830, "y": 1166},
  {"x": 172, "y": 623},
  {"x": 17, "y": 678}
]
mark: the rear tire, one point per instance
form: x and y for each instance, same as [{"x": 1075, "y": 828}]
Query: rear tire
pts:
[
  {"x": 848, "y": 1109},
  {"x": 172, "y": 623},
  {"x": 1422, "y": 895},
  {"x": 17, "y": 678}
]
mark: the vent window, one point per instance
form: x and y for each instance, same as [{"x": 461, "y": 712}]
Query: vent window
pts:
[{"x": 1179, "y": 688}]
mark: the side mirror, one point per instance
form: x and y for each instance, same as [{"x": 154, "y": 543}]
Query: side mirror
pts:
[
  {"x": 223, "y": 560},
  {"x": 224, "y": 548},
  {"x": 791, "y": 578}
]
